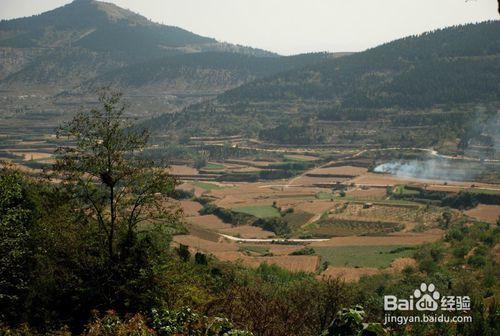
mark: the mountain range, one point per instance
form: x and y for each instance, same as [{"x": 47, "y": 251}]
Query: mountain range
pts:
[
  {"x": 88, "y": 43},
  {"x": 416, "y": 91}
]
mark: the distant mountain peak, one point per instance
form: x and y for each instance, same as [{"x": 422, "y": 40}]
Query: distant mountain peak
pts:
[
  {"x": 85, "y": 38},
  {"x": 113, "y": 12}
]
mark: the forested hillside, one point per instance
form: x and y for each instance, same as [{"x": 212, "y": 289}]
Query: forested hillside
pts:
[
  {"x": 457, "y": 64},
  {"x": 416, "y": 91},
  {"x": 87, "y": 38},
  {"x": 206, "y": 70},
  {"x": 61, "y": 57}
]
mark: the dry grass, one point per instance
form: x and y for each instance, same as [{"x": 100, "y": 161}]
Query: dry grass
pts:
[
  {"x": 348, "y": 274},
  {"x": 316, "y": 206}
]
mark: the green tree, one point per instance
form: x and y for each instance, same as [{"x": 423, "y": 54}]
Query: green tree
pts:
[
  {"x": 103, "y": 169},
  {"x": 17, "y": 217}
]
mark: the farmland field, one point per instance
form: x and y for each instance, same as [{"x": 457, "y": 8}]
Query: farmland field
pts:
[
  {"x": 258, "y": 211},
  {"x": 341, "y": 227},
  {"x": 363, "y": 256},
  {"x": 487, "y": 213}
]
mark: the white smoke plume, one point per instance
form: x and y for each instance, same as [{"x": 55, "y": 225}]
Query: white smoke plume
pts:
[{"x": 433, "y": 169}]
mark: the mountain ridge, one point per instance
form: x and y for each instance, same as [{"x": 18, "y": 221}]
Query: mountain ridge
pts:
[
  {"x": 87, "y": 38},
  {"x": 416, "y": 91}
]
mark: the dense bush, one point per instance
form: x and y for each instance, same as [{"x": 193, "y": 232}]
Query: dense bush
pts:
[{"x": 226, "y": 215}]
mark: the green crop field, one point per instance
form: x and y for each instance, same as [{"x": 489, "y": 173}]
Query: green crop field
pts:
[
  {"x": 207, "y": 186},
  {"x": 324, "y": 195},
  {"x": 296, "y": 219},
  {"x": 363, "y": 256},
  {"x": 331, "y": 227},
  {"x": 402, "y": 190},
  {"x": 260, "y": 211}
]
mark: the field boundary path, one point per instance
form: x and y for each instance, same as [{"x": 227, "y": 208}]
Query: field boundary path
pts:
[{"x": 271, "y": 240}]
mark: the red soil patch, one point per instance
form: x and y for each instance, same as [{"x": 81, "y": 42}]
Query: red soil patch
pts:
[
  {"x": 291, "y": 263},
  {"x": 302, "y": 157},
  {"x": 351, "y": 274},
  {"x": 198, "y": 192},
  {"x": 342, "y": 170},
  {"x": 400, "y": 264},
  {"x": 247, "y": 231},
  {"x": 315, "y": 206},
  {"x": 190, "y": 208},
  {"x": 483, "y": 212},
  {"x": 368, "y": 193},
  {"x": 182, "y": 170},
  {"x": 403, "y": 238},
  {"x": 348, "y": 274},
  {"x": 210, "y": 222}
]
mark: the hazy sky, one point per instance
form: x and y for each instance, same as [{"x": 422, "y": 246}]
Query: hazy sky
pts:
[{"x": 294, "y": 26}]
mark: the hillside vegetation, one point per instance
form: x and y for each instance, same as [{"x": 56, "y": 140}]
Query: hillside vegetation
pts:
[
  {"x": 416, "y": 91},
  {"x": 86, "y": 38}
]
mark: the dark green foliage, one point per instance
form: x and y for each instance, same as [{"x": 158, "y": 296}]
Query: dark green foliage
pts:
[
  {"x": 349, "y": 321},
  {"x": 17, "y": 220},
  {"x": 465, "y": 199},
  {"x": 462, "y": 200},
  {"x": 181, "y": 194},
  {"x": 226, "y": 215},
  {"x": 76, "y": 43},
  {"x": 65, "y": 268},
  {"x": 200, "y": 258},
  {"x": 436, "y": 81},
  {"x": 288, "y": 134},
  {"x": 186, "y": 322},
  {"x": 332, "y": 227},
  {"x": 275, "y": 174},
  {"x": 198, "y": 69},
  {"x": 304, "y": 251},
  {"x": 183, "y": 252},
  {"x": 413, "y": 71},
  {"x": 276, "y": 224},
  {"x": 239, "y": 177}
]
